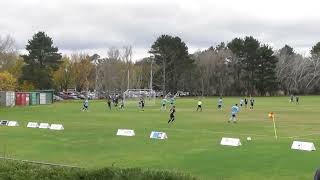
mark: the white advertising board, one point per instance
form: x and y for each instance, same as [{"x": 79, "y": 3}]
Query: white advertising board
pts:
[
  {"x": 304, "y": 146},
  {"x": 44, "y": 126},
  {"x": 125, "y": 132},
  {"x": 158, "y": 135},
  {"x": 13, "y": 123},
  {"x": 56, "y": 127},
  {"x": 32, "y": 125},
  {"x": 230, "y": 141}
]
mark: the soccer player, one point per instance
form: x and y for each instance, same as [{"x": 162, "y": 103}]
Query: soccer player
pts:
[
  {"x": 291, "y": 99},
  {"x": 220, "y": 103},
  {"x": 85, "y": 105},
  {"x": 317, "y": 175},
  {"x": 297, "y": 99},
  {"x": 241, "y": 102},
  {"x": 234, "y": 111},
  {"x": 199, "y": 105},
  {"x": 172, "y": 101},
  {"x": 251, "y": 103},
  {"x": 164, "y": 104},
  {"x": 245, "y": 102},
  {"x": 122, "y": 105},
  {"x": 172, "y": 114},
  {"x": 109, "y": 103},
  {"x": 142, "y": 104},
  {"x": 116, "y": 101}
]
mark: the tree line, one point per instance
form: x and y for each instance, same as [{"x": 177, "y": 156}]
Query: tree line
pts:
[{"x": 242, "y": 66}]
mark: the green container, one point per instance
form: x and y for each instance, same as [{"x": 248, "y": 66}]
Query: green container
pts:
[
  {"x": 46, "y": 96},
  {"x": 34, "y": 98},
  {"x": 49, "y": 97}
]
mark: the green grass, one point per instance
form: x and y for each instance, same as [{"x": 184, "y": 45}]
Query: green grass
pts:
[
  {"x": 192, "y": 146},
  {"x": 13, "y": 170}
]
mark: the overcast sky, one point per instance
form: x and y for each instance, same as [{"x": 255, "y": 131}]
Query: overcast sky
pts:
[{"x": 94, "y": 25}]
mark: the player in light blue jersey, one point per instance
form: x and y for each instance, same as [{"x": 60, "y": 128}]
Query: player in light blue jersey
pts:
[
  {"x": 163, "y": 104},
  {"x": 234, "y": 111},
  {"x": 85, "y": 105},
  {"x": 241, "y": 102},
  {"x": 172, "y": 101},
  {"x": 220, "y": 103}
]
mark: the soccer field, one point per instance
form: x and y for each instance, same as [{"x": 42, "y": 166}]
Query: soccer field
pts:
[{"x": 192, "y": 146}]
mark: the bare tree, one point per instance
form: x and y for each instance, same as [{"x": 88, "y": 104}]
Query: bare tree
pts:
[
  {"x": 127, "y": 58},
  {"x": 8, "y": 53},
  {"x": 213, "y": 67}
]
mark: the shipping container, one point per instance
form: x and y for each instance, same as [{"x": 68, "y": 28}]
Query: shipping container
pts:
[
  {"x": 22, "y": 98},
  {"x": 43, "y": 97},
  {"x": 46, "y": 96},
  {"x": 49, "y": 98},
  {"x": 34, "y": 98},
  {"x": 7, "y": 98}
]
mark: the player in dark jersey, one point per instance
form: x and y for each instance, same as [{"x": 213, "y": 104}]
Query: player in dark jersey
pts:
[
  {"x": 116, "y": 101},
  {"x": 109, "y": 103},
  {"x": 172, "y": 114},
  {"x": 142, "y": 104},
  {"x": 317, "y": 175},
  {"x": 291, "y": 99},
  {"x": 245, "y": 102},
  {"x": 122, "y": 104},
  {"x": 251, "y": 103}
]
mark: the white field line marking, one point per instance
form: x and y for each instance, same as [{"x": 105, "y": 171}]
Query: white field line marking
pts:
[
  {"x": 38, "y": 162},
  {"x": 305, "y": 135},
  {"x": 218, "y": 132},
  {"x": 241, "y": 134}
]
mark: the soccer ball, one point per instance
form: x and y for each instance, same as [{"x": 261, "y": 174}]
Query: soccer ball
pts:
[{"x": 248, "y": 138}]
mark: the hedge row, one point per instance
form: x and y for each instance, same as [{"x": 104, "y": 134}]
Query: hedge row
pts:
[{"x": 10, "y": 170}]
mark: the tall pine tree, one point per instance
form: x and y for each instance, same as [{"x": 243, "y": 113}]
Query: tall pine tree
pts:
[
  {"x": 171, "y": 54},
  {"x": 41, "y": 61},
  {"x": 255, "y": 65},
  {"x": 265, "y": 75}
]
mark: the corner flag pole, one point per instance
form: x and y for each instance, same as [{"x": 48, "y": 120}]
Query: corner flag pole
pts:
[{"x": 271, "y": 115}]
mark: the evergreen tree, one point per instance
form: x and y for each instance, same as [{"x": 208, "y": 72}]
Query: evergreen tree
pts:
[
  {"x": 265, "y": 74},
  {"x": 171, "y": 54},
  {"x": 255, "y": 65},
  {"x": 41, "y": 61},
  {"x": 315, "y": 51}
]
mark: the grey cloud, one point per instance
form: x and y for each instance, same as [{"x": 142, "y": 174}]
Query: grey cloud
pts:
[{"x": 80, "y": 25}]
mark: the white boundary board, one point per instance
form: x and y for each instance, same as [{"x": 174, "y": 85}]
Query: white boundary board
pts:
[
  {"x": 44, "y": 126},
  {"x": 230, "y": 141},
  {"x": 304, "y": 146},
  {"x": 13, "y": 123},
  {"x": 125, "y": 132},
  {"x": 158, "y": 135},
  {"x": 56, "y": 127},
  {"x": 33, "y": 125}
]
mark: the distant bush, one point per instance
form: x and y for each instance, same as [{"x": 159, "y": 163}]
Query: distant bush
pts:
[{"x": 10, "y": 170}]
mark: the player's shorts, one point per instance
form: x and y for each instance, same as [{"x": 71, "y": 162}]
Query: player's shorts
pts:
[
  {"x": 233, "y": 115},
  {"x": 85, "y": 106},
  {"x": 171, "y": 115},
  {"x": 251, "y": 104},
  {"x": 219, "y": 106},
  {"x": 240, "y": 104},
  {"x": 199, "y": 106},
  {"x": 163, "y": 105}
]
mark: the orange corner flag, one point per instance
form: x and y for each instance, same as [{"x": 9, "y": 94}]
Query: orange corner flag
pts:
[{"x": 271, "y": 115}]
